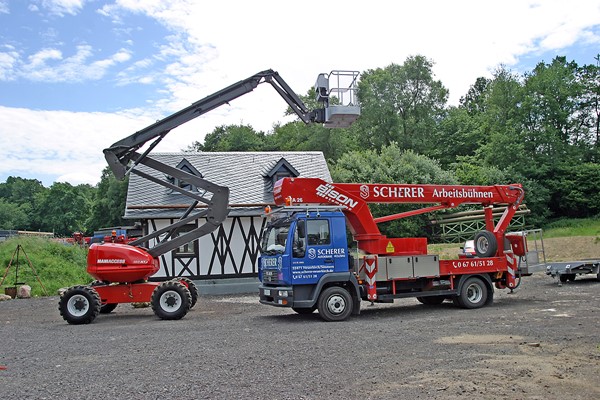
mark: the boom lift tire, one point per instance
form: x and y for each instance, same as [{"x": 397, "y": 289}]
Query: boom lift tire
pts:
[
  {"x": 485, "y": 244},
  {"x": 192, "y": 288},
  {"x": 335, "y": 304},
  {"x": 431, "y": 300},
  {"x": 171, "y": 300},
  {"x": 108, "y": 308},
  {"x": 79, "y": 305},
  {"x": 473, "y": 294}
]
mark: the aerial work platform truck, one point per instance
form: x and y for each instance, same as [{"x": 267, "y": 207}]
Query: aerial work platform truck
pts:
[{"x": 306, "y": 263}]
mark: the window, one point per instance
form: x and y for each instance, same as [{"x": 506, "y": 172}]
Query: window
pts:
[
  {"x": 189, "y": 248},
  {"x": 185, "y": 166},
  {"x": 282, "y": 169},
  {"x": 318, "y": 232}
]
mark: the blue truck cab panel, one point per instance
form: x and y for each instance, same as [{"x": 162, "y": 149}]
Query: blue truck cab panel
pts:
[{"x": 300, "y": 254}]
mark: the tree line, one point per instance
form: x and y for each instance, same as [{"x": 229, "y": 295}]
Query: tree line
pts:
[{"x": 540, "y": 128}]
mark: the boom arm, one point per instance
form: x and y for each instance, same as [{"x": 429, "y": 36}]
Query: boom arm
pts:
[
  {"x": 122, "y": 157},
  {"x": 120, "y": 153},
  {"x": 354, "y": 197}
]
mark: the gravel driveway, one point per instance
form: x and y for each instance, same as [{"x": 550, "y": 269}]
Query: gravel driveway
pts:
[{"x": 542, "y": 342}]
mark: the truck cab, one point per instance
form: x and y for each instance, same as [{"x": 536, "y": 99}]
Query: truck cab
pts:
[{"x": 303, "y": 253}]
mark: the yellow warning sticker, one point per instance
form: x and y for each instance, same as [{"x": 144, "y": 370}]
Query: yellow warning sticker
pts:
[{"x": 390, "y": 247}]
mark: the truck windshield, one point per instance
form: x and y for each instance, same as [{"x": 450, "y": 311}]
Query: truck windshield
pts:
[{"x": 274, "y": 237}]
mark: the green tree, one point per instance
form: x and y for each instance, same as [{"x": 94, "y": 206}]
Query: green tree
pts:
[
  {"x": 401, "y": 104},
  {"x": 13, "y": 216},
  {"x": 64, "y": 209},
  {"x": 502, "y": 138},
  {"x": 589, "y": 78},
  {"x": 109, "y": 202},
  {"x": 231, "y": 138},
  {"x": 392, "y": 165},
  {"x": 20, "y": 195}
]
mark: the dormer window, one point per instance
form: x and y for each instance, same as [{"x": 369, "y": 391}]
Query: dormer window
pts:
[
  {"x": 185, "y": 166},
  {"x": 282, "y": 169}
]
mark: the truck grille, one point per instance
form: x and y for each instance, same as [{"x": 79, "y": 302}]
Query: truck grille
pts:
[{"x": 269, "y": 276}]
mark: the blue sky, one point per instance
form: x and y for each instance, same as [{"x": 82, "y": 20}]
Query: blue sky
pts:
[{"x": 78, "y": 75}]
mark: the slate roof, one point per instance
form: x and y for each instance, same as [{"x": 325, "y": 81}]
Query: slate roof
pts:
[{"x": 245, "y": 173}]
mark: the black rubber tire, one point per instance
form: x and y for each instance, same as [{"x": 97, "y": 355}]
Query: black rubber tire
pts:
[
  {"x": 171, "y": 300},
  {"x": 108, "y": 308},
  {"x": 567, "y": 277},
  {"x": 431, "y": 300},
  {"x": 485, "y": 244},
  {"x": 192, "y": 288},
  {"x": 79, "y": 305},
  {"x": 335, "y": 304},
  {"x": 302, "y": 310},
  {"x": 473, "y": 294}
]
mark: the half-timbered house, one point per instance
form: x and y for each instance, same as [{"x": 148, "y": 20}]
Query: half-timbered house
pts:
[{"x": 232, "y": 250}]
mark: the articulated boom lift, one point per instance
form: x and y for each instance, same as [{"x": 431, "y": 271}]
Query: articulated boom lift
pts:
[{"x": 121, "y": 270}]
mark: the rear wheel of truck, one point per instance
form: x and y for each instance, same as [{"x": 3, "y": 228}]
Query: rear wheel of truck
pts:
[
  {"x": 473, "y": 294},
  {"x": 171, "y": 300},
  {"x": 431, "y": 300},
  {"x": 79, "y": 305},
  {"x": 335, "y": 304}
]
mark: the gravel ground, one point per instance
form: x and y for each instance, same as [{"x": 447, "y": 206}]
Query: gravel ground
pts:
[{"x": 539, "y": 343}]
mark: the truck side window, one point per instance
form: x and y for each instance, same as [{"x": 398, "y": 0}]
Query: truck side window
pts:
[
  {"x": 298, "y": 250},
  {"x": 318, "y": 232}
]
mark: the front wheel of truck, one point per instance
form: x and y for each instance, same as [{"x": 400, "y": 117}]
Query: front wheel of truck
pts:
[{"x": 335, "y": 304}]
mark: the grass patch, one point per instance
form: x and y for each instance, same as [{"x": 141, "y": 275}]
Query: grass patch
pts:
[
  {"x": 57, "y": 265},
  {"x": 567, "y": 227}
]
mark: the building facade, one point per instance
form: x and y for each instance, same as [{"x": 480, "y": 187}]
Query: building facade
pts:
[{"x": 231, "y": 250}]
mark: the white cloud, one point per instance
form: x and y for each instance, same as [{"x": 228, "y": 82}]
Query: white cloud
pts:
[
  {"x": 49, "y": 65},
  {"x": 61, "y": 143},
  {"x": 4, "y": 9},
  {"x": 8, "y": 60},
  {"x": 62, "y": 7}
]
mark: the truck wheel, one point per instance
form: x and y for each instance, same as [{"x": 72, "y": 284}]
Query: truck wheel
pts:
[
  {"x": 108, "y": 308},
  {"x": 303, "y": 310},
  {"x": 335, "y": 304},
  {"x": 79, "y": 305},
  {"x": 485, "y": 244},
  {"x": 473, "y": 294},
  {"x": 192, "y": 288},
  {"x": 431, "y": 300},
  {"x": 171, "y": 300},
  {"x": 567, "y": 277}
]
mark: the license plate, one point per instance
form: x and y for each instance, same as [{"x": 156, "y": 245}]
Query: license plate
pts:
[{"x": 267, "y": 292}]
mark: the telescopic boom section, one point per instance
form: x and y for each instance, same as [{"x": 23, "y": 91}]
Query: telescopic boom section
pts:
[
  {"x": 122, "y": 157},
  {"x": 354, "y": 198}
]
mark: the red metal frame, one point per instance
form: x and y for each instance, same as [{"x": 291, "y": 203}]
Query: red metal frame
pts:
[
  {"x": 354, "y": 197},
  {"x": 126, "y": 292}
]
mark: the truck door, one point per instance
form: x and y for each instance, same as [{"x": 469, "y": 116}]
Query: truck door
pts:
[{"x": 322, "y": 247}]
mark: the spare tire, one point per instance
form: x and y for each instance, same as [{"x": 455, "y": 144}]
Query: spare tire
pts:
[{"x": 485, "y": 244}]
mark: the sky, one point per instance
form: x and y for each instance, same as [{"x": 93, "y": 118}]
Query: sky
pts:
[{"x": 79, "y": 75}]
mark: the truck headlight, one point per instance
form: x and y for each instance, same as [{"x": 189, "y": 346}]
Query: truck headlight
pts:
[{"x": 283, "y": 293}]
